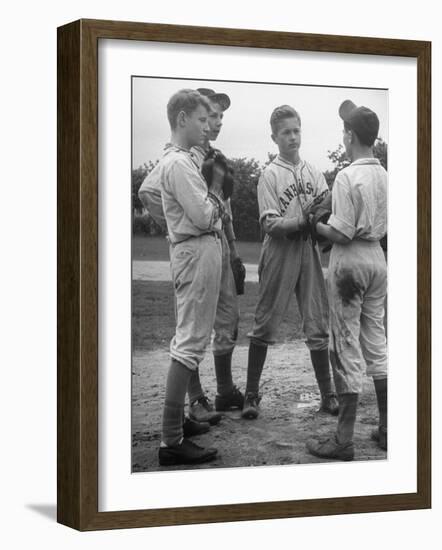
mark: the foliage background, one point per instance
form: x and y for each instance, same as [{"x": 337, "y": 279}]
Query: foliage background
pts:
[{"x": 244, "y": 199}]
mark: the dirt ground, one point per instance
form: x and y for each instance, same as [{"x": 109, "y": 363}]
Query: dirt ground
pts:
[
  {"x": 288, "y": 416},
  {"x": 288, "y": 411}
]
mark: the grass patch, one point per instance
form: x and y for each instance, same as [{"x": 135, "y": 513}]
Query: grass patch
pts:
[
  {"x": 147, "y": 248},
  {"x": 153, "y": 317}
]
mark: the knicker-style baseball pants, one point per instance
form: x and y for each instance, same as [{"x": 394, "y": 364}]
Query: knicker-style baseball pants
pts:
[
  {"x": 285, "y": 267},
  {"x": 196, "y": 276},
  {"x": 227, "y": 311},
  {"x": 357, "y": 283}
]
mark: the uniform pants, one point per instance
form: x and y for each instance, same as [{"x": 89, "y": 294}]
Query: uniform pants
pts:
[
  {"x": 288, "y": 266},
  {"x": 357, "y": 282},
  {"x": 227, "y": 311},
  {"x": 196, "y": 276}
]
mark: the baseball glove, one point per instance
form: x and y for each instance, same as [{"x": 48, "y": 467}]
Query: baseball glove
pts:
[
  {"x": 239, "y": 274},
  {"x": 320, "y": 212},
  {"x": 215, "y": 156}
]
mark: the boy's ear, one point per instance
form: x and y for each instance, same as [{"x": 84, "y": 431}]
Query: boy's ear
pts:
[
  {"x": 181, "y": 119},
  {"x": 273, "y": 138}
]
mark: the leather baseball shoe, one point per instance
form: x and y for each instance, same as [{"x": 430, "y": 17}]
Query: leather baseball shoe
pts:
[
  {"x": 186, "y": 452},
  {"x": 233, "y": 400},
  {"x": 380, "y": 436},
  {"x": 329, "y": 404},
  {"x": 201, "y": 410},
  {"x": 251, "y": 406},
  {"x": 192, "y": 428},
  {"x": 331, "y": 448}
]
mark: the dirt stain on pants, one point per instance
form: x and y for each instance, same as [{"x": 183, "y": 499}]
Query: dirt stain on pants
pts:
[{"x": 347, "y": 287}]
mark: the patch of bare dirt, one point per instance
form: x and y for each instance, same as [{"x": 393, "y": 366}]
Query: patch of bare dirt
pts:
[{"x": 288, "y": 412}]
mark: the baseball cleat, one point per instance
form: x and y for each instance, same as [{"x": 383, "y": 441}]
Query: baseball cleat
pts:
[
  {"x": 232, "y": 400},
  {"x": 331, "y": 448},
  {"x": 202, "y": 411},
  {"x": 380, "y": 436},
  {"x": 192, "y": 428},
  {"x": 251, "y": 406},
  {"x": 329, "y": 404},
  {"x": 186, "y": 452}
]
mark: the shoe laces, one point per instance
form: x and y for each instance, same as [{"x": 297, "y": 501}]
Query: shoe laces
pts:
[
  {"x": 191, "y": 444},
  {"x": 205, "y": 403},
  {"x": 253, "y": 398}
]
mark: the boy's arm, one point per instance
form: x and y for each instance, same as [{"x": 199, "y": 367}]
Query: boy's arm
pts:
[
  {"x": 188, "y": 187},
  {"x": 331, "y": 233},
  {"x": 277, "y": 226},
  {"x": 269, "y": 210},
  {"x": 341, "y": 226},
  {"x": 150, "y": 196},
  {"x": 229, "y": 231}
]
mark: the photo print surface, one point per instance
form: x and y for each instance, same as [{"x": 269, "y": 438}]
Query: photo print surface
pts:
[{"x": 259, "y": 274}]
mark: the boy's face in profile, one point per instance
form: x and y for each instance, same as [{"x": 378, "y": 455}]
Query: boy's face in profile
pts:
[
  {"x": 216, "y": 116},
  {"x": 288, "y": 137},
  {"x": 196, "y": 126}
]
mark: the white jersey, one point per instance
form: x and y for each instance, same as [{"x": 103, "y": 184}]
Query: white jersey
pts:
[
  {"x": 359, "y": 201},
  {"x": 149, "y": 192},
  {"x": 186, "y": 206},
  {"x": 289, "y": 190}
]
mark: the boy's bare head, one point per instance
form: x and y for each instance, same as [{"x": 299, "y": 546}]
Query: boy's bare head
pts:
[
  {"x": 186, "y": 101},
  {"x": 281, "y": 113}
]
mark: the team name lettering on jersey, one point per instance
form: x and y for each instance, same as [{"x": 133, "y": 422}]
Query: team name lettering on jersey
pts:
[{"x": 288, "y": 190}]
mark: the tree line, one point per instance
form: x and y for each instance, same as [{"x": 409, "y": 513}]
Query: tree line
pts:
[{"x": 244, "y": 200}]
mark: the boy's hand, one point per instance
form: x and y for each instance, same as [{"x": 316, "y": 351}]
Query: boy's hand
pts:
[{"x": 280, "y": 227}]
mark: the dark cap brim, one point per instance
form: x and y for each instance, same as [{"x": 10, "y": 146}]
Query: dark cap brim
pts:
[{"x": 222, "y": 99}]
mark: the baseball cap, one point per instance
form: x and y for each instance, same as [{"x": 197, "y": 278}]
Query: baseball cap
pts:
[
  {"x": 362, "y": 120},
  {"x": 222, "y": 99}
]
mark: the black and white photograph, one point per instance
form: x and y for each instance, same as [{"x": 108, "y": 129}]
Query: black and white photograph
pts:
[{"x": 259, "y": 274}]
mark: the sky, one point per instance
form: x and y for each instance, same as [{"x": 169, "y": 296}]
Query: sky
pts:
[{"x": 246, "y": 129}]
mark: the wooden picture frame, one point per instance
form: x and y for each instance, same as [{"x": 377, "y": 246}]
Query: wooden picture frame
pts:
[{"x": 77, "y": 224}]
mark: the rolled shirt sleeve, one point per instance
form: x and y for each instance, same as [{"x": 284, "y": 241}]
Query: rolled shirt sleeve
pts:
[
  {"x": 343, "y": 217},
  {"x": 267, "y": 197},
  {"x": 150, "y": 196}
]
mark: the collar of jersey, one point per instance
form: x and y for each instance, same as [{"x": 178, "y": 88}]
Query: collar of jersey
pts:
[
  {"x": 288, "y": 163},
  {"x": 170, "y": 147},
  {"x": 365, "y": 161},
  {"x": 201, "y": 148}
]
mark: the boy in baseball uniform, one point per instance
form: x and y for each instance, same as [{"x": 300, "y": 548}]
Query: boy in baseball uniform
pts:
[
  {"x": 357, "y": 281},
  {"x": 228, "y": 395},
  {"x": 227, "y": 315},
  {"x": 193, "y": 217},
  {"x": 289, "y": 262}
]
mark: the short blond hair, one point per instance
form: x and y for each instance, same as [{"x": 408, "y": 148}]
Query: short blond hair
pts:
[{"x": 186, "y": 100}]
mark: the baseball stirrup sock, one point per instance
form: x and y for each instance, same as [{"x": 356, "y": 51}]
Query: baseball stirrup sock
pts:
[
  {"x": 321, "y": 366},
  {"x": 223, "y": 371},
  {"x": 176, "y": 387},
  {"x": 257, "y": 357},
  {"x": 348, "y": 404},
  {"x": 380, "y": 386},
  {"x": 194, "y": 388}
]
